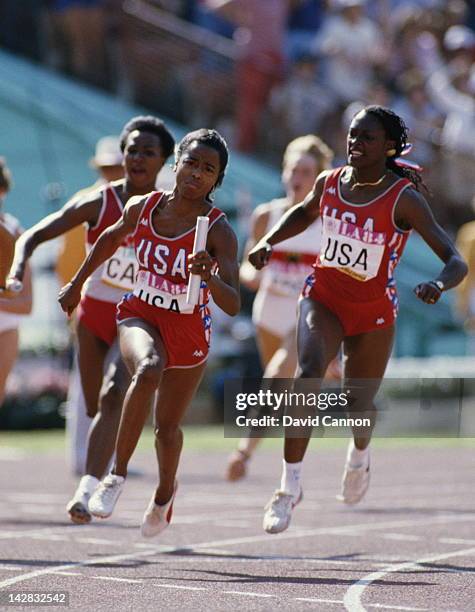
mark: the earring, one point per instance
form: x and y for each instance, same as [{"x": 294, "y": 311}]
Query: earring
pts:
[{"x": 391, "y": 152}]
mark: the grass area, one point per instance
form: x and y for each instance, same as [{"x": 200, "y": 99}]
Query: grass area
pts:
[{"x": 211, "y": 438}]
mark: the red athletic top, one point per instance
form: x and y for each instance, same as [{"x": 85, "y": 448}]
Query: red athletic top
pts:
[
  {"x": 115, "y": 276},
  {"x": 162, "y": 279},
  {"x": 361, "y": 245}
]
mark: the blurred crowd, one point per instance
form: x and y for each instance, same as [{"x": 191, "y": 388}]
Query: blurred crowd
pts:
[{"x": 297, "y": 65}]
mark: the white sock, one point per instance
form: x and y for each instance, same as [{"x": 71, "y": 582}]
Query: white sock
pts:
[
  {"x": 88, "y": 483},
  {"x": 357, "y": 458},
  {"x": 290, "y": 482}
]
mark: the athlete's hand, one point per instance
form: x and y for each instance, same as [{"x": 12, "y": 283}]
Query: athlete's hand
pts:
[
  {"x": 201, "y": 263},
  {"x": 69, "y": 297},
  {"x": 428, "y": 293},
  {"x": 259, "y": 256}
]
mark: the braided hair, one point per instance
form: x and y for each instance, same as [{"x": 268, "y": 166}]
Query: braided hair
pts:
[
  {"x": 396, "y": 130},
  {"x": 212, "y": 139}
]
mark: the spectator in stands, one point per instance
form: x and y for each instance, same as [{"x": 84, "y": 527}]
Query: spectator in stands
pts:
[
  {"x": 466, "y": 290},
  {"x": 260, "y": 33},
  {"x": 78, "y": 38},
  {"x": 12, "y": 308},
  {"x": 304, "y": 22},
  {"x": 354, "y": 48},
  {"x": 299, "y": 105}
]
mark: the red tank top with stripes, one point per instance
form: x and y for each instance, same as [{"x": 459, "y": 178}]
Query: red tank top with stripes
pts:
[
  {"x": 163, "y": 275},
  {"x": 361, "y": 244},
  {"x": 115, "y": 276}
]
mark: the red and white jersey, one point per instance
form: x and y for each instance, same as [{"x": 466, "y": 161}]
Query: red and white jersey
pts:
[
  {"x": 291, "y": 260},
  {"x": 361, "y": 244},
  {"x": 162, "y": 278},
  {"x": 116, "y": 276}
]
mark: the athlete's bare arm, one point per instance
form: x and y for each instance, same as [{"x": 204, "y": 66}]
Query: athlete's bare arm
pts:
[
  {"x": 105, "y": 246},
  {"x": 413, "y": 212},
  {"x": 248, "y": 275},
  {"x": 224, "y": 284},
  {"x": 295, "y": 221},
  {"x": 73, "y": 213}
]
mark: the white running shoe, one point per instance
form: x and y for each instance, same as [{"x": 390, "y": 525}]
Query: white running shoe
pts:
[
  {"x": 279, "y": 511},
  {"x": 105, "y": 497},
  {"x": 77, "y": 507},
  {"x": 157, "y": 518},
  {"x": 354, "y": 484}
]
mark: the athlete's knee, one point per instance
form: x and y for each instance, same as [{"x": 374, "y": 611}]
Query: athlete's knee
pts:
[
  {"x": 111, "y": 396},
  {"x": 168, "y": 433},
  {"x": 148, "y": 372},
  {"x": 311, "y": 365}
]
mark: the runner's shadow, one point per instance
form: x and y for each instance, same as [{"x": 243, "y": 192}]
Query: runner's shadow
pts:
[{"x": 239, "y": 578}]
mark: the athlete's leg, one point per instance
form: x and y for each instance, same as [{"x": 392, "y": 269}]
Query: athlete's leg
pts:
[
  {"x": 91, "y": 356},
  {"x": 319, "y": 336},
  {"x": 366, "y": 358},
  {"x": 268, "y": 344},
  {"x": 145, "y": 356},
  {"x": 177, "y": 389},
  {"x": 103, "y": 432},
  {"x": 9, "y": 344}
]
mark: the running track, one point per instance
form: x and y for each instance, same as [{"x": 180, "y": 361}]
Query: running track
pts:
[{"x": 409, "y": 546}]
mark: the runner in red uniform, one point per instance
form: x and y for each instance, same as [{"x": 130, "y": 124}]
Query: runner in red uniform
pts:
[
  {"x": 164, "y": 342},
  {"x": 367, "y": 209},
  {"x": 146, "y": 144}
]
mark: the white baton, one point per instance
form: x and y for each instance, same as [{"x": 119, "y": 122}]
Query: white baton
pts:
[{"x": 194, "y": 282}]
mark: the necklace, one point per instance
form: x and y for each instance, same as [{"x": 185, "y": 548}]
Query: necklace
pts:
[{"x": 356, "y": 184}]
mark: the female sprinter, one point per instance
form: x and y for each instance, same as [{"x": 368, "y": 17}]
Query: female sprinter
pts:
[
  {"x": 278, "y": 286},
  {"x": 146, "y": 144},
  {"x": 12, "y": 305},
  {"x": 163, "y": 341},
  {"x": 368, "y": 209}
]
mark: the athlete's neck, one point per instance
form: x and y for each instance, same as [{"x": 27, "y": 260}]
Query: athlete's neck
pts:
[
  {"x": 186, "y": 205},
  {"x": 374, "y": 175},
  {"x": 129, "y": 189}
]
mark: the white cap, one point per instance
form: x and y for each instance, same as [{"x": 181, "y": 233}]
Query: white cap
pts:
[
  {"x": 108, "y": 152},
  {"x": 459, "y": 37}
]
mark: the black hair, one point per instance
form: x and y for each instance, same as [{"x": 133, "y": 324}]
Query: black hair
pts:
[
  {"x": 396, "y": 130},
  {"x": 147, "y": 123},
  {"x": 5, "y": 175},
  {"x": 210, "y": 138}
]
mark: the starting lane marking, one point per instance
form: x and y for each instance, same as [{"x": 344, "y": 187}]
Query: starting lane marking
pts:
[
  {"x": 111, "y": 559},
  {"x": 403, "y": 537},
  {"x": 180, "y": 587},
  {"x": 130, "y": 580},
  {"x": 352, "y": 599},
  {"x": 248, "y": 594}
]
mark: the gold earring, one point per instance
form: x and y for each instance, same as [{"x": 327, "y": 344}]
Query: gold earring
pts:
[{"x": 391, "y": 152}]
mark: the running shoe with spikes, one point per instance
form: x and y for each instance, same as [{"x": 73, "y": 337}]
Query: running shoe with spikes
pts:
[
  {"x": 105, "y": 497},
  {"x": 354, "y": 484},
  {"x": 78, "y": 506},
  {"x": 157, "y": 517},
  {"x": 279, "y": 511}
]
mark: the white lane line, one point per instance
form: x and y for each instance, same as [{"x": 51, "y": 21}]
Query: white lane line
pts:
[
  {"x": 68, "y": 573},
  {"x": 116, "y": 579},
  {"x": 314, "y": 600},
  {"x": 244, "y": 540},
  {"x": 403, "y": 537},
  {"x": 97, "y": 541},
  {"x": 352, "y": 599},
  {"x": 455, "y": 541},
  {"x": 180, "y": 587},
  {"x": 248, "y": 594},
  {"x": 387, "y": 607}
]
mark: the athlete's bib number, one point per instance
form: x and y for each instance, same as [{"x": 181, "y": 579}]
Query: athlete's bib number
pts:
[
  {"x": 121, "y": 269},
  {"x": 351, "y": 249},
  {"x": 159, "y": 292}
]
